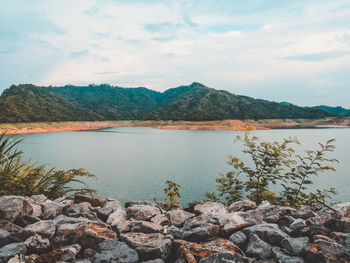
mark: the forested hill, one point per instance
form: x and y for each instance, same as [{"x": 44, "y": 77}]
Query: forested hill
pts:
[
  {"x": 195, "y": 102},
  {"x": 335, "y": 110}
]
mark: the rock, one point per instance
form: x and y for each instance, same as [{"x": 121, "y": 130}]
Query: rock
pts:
[
  {"x": 242, "y": 206},
  {"x": 177, "y": 217},
  {"x": 116, "y": 217},
  {"x": 79, "y": 198},
  {"x": 281, "y": 255},
  {"x": 253, "y": 217},
  {"x": 158, "y": 260},
  {"x": 341, "y": 238},
  {"x": 46, "y": 228},
  {"x": 67, "y": 253},
  {"x": 295, "y": 245},
  {"x": 175, "y": 232},
  {"x": 39, "y": 199},
  {"x": 10, "y": 250},
  {"x": 226, "y": 258},
  {"x": 272, "y": 213},
  {"x": 19, "y": 259},
  {"x": 13, "y": 207},
  {"x": 210, "y": 208},
  {"x": 149, "y": 246},
  {"x": 5, "y": 237},
  {"x": 37, "y": 244},
  {"x": 322, "y": 237},
  {"x": 206, "y": 249},
  {"x": 80, "y": 210},
  {"x": 343, "y": 209},
  {"x": 86, "y": 234},
  {"x": 325, "y": 251},
  {"x": 302, "y": 214},
  {"x": 343, "y": 225},
  {"x": 54, "y": 208},
  {"x": 142, "y": 212},
  {"x": 37, "y": 211},
  {"x": 258, "y": 248},
  {"x": 115, "y": 251},
  {"x": 8, "y": 226},
  {"x": 200, "y": 220},
  {"x": 310, "y": 231},
  {"x": 230, "y": 223},
  {"x": 238, "y": 238},
  {"x": 264, "y": 204},
  {"x": 297, "y": 224},
  {"x": 201, "y": 233},
  {"x": 269, "y": 233},
  {"x": 139, "y": 226},
  {"x": 109, "y": 206},
  {"x": 160, "y": 219}
]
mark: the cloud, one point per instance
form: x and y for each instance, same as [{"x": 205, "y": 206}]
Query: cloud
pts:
[{"x": 294, "y": 51}]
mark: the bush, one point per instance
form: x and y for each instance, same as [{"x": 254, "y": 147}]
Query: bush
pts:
[
  {"x": 275, "y": 163},
  {"x": 23, "y": 177},
  {"x": 171, "y": 192}
]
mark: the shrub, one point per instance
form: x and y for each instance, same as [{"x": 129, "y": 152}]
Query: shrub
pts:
[
  {"x": 275, "y": 163},
  {"x": 23, "y": 177},
  {"x": 171, "y": 192}
]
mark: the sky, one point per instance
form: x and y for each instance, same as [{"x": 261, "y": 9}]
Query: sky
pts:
[{"x": 295, "y": 51}]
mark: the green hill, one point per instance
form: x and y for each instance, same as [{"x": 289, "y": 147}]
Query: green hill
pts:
[
  {"x": 195, "y": 102},
  {"x": 335, "y": 110}
]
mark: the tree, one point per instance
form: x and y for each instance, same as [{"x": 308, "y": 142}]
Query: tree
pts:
[
  {"x": 275, "y": 163},
  {"x": 24, "y": 177}
]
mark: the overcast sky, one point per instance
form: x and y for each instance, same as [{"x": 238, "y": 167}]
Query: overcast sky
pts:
[{"x": 296, "y": 51}]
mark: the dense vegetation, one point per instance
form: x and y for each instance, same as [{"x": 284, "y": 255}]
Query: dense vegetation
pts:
[
  {"x": 196, "y": 102},
  {"x": 335, "y": 110},
  {"x": 276, "y": 163},
  {"x": 23, "y": 177}
]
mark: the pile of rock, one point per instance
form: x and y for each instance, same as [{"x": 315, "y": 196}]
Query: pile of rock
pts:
[{"x": 83, "y": 229}]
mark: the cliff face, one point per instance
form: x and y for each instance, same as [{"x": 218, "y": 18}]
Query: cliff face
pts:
[{"x": 83, "y": 229}]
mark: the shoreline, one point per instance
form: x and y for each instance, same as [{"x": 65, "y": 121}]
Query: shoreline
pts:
[{"x": 220, "y": 125}]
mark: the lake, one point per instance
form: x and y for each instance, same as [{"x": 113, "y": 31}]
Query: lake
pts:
[{"x": 133, "y": 163}]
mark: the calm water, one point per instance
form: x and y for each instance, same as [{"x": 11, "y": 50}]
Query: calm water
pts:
[{"x": 133, "y": 163}]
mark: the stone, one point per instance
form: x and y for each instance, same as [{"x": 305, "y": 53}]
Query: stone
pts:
[
  {"x": 10, "y": 250},
  {"x": 297, "y": 223},
  {"x": 109, "y": 206},
  {"x": 226, "y": 258},
  {"x": 67, "y": 253},
  {"x": 264, "y": 204},
  {"x": 37, "y": 244},
  {"x": 343, "y": 225},
  {"x": 39, "y": 199},
  {"x": 160, "y": 219},
  {"x": 5, "y": 237},
  {"x": 116, "y": 217},
  {"x": 324, "y": 251},
  {"x": 80, "y": 210},
  {"x": 210, "y": 208},
  {"x": 200, "y": 220},
  {"x": 310, "y": 231},
  {"x": 230, "y": 223},
  {"x": 142, "y": 212},
  {"x": 149, "y": 246},
  {"x": 205, "y": 249},
  {"x": 37, "y": 211},
  {"x": 343, "y": 209},
  {"x": 282, "y": 255},
  {"x": 13, "y": 207},
  {"x": 258, "y": 248},
  {"x": 115, "y": 251},
  {"x": 54, "y": 208},
  {"x": 238, "y": 238},
  {"x": 341, "y": 238},
  {"x": 253, "y": 217},
  {"x": 322, "y": 237},
  {"x": 269, "y": 233},
  {"x": 79, "y": 198},
  {"x": 46, "y": 228},
  {"x": 201, "y": 233},
  {"x": 302, "y": 214},
  {"x": 8, "y": 226},
  {"x": 242, "y": 206},
  {"x": 177, "y": 217},
  {"x": 139, "y": 226},
  {"x": 158, "y": 260},
  {"x": 175, "y": 232},
  {"x": 295, "y": 245}
]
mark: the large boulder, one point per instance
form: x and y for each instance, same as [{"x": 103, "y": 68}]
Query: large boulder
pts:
[
  {"x": 37, "y": 244},
  {"x": 177, "y": 217},
  {"x": 65, "y": 254},
  {"x": 238, "y": 238},
  {"x": 109, "y": 206},
  {"x": 149, "y": 246},
  {"x": 13, "y": 207},
  {"x": 230, "y": 223},
  {"x": 269, "y": 233},
  {"x": 83, "y": 209},
  {"x": 325, "y": 252},
  {"x": 242, "y": 206},
  {"x": 201, "y": 233},
  {"x": 295, "y": 245},
  {"x": 46, "y": 228},
  {"x": 210, "y": 208},
  {"x": 138, "y": 226},
  {"x": 142, "y": 212},
  {"x": 226, "y": 258},
  {"x": 115, "y": 251},
  {"x": 116, "y": 217},
  {"x": 160, "y": 219},
  {"x": 10, "y": 250},
  {"x": 258, "y": 248},
  {"x": 54, "y": 208},
  {"x": 202, "y": 219}
]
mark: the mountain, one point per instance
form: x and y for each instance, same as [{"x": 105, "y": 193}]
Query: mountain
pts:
[
  {"x": 335, "y": 110},
  {"x": 194, "y": 102},
  {"x": 28, "y": 103}
]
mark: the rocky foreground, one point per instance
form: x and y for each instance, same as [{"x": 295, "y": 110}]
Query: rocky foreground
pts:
[{"x": 83, "y": 229}]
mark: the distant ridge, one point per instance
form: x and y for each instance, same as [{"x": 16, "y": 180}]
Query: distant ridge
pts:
[{"x": 195, "y": 102}]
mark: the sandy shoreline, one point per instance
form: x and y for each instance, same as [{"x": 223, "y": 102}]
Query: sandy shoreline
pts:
[{"x": 225, "y": 125}]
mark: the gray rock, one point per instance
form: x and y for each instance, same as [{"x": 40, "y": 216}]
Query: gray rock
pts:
[
  {"x": 13, "y": 207},
  {"x": 177, "y": 217},
  {"x": 297, "y": 223},
  {"x": 270, "y": 233},
  {"x": 238, "y": 238},
  {"x": 80, "y": 210},
  {"x": 39, "y": 199},
  {"x": 343, "y": 225},
  {"x": 10, "y": 250},
  {"x": 82, "y": 261},
  {"x": 230, "y": 223},
  {"x": 158, "y": 260},
  {"x": 37, "y": 244},
  {"x": 242, "y": 206},
  {"x": 258, "y": 248},
  {"x": 160, "y": 219},
  {"x": 282, "y": 256},
  {"x": 323, "y": 251},
  {"x": 341, "y": 238},
  {"x": 8, "y": 226},
  {"x": 109, "y": 206},
  {"x": 66, "y": 253},
  {"x": 175, "y": 232},
  {"x": 343, "y": 209},
  {"x": 54, "y": 208},
  {"x": 200, "y": 220},
  {"x": 210, "y": 208},
  {"x": 201, "y": 233},
  {"x": 149, "y": 246},
  {"x": 5, "y": 237},
  {"x": 142, "y": 212},
  {"x": 46, "y": 228},
  {"x": 226, "y": 258},
  {"x": 302, "y": 214},
  {"x": 116, "y": 217},
  {"x": 295, "y": 245},
  {"x": 115, "y": 251}
]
